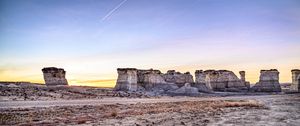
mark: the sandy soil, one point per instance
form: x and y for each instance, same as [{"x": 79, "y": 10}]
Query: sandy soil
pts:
[{"x": 231, "y": 110}]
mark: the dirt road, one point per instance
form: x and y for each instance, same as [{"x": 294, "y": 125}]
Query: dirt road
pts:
[{"x": 28, "y": 104}]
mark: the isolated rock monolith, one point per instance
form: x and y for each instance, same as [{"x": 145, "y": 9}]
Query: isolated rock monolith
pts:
[
  {"x": 54, "y": 76},
  {"x": 268, "y": 81}
]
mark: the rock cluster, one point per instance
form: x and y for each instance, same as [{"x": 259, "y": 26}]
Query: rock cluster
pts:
[
  {"x": 220, "y": 80},
  {"x": 54, "y": 76},
  {"x": 132, "y": 79},
  {"x": 268, "y": 81},
  {"x": 295, "y": 86}
]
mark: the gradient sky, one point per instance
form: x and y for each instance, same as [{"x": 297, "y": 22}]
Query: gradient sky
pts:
[{"x": 90, "y": 39}]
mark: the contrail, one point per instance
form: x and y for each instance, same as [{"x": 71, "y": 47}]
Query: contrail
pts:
[{"x": 113, "y": 10}]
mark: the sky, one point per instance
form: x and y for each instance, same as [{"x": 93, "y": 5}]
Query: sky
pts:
[{"x": 90, "y": 39}]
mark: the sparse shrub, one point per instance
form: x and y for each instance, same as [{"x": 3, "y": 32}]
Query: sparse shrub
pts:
[{"x": 114, "y": 114}]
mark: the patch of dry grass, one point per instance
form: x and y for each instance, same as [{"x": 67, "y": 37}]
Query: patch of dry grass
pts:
[{"x": 82, "y": 114}]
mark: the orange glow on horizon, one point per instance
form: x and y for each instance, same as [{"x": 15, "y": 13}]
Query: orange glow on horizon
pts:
[{"x": 251, "y": 75}]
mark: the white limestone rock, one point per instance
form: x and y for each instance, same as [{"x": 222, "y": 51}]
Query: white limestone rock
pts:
[
  {"x": 54, "y": 76},
  {"x": 295, "y": 86},
  {"x": 178, "y": 78},
  {"x": 219, "y": 80},
  {"x": 127, "y": 79},
  {"x": 268, "y": 81}
]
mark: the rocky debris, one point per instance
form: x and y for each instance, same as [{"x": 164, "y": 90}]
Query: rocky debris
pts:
[
  {"x": 220, "y": 80},
  {"x": 268, "y": 81},
  {"x": 202, "y": 87},
  {"x": 186, "y": 90},
  {"x": 54, "y": 76},
  {"x": 178, "y": 78},
  {"x": 295, "y": 86},
  {"x": 127, "y": 79}
]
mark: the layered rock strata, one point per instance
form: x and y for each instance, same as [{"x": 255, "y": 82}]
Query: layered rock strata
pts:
[
  {"x": 220, "y": 80},
  {"x": 150, "y": 78},
  {"x": 178, "y": 78},
  {"x": 295, "y": 86},
  {"x": 268, "y": 81},
  {"x": 54, "y": 76},
  {"x": 127, "y": 79},
  {"x": 131, "y": 79}
]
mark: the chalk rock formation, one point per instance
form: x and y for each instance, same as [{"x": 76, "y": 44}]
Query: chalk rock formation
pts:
[
  {"x": 178, "y": 78},
  {"x": 54, "y": 76},
  {"x": 295, "y": 80},
  {"x": 243, "y": 79},
  {"x": 200, "y": 82},
  {"x": 268, "y": 81},
  {"x": 243, "y": 74},
  {"x": 220, "y": 80},
  {"x": 150, "y": 78},
  {"x": 127, "y": 79}
]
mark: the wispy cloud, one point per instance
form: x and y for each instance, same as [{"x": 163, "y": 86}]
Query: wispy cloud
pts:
[{"x": 113, "y": 10}]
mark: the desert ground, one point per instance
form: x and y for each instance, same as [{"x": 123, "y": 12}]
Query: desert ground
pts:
[{"x": 98, "y": 106}]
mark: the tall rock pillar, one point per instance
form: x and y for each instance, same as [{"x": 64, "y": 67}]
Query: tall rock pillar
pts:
[
  {"x": 127, "y": 79},
  {"x": 295, "y": 80},
  {"x": 243, "y": 74}
]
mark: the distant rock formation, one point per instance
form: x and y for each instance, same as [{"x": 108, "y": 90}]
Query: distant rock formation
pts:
[
  {"x": 268, "y": 81},
  {"x": 220, "y": 80},
  {"x": 127, "y": 79},
  {"x": 132, "y": 79},
  {"x": 295, "y": 86},
  {"x": 178, "y": 78},
  {"x": 54, "y": 76}
]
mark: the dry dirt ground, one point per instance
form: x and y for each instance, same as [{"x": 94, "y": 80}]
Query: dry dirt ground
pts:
[{"x": 271, "y": 110}]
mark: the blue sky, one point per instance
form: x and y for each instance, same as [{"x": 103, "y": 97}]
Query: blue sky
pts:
[{"x": 171, "y": 34}]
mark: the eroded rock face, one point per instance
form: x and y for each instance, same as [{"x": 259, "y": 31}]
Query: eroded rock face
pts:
[
  {"x": 268, "y": 81},
  {"x": 178, "y": 78},
  {"x": 127, "y": 79},
  {"x": 295, "y": 80},
  {"x": 54, "y": 76},
  {"x": 220, "y": 80},
  {"x": 243, "y": 74},
  {"x": 150, "y": 78},
  {"x": 200, "y": 81}
]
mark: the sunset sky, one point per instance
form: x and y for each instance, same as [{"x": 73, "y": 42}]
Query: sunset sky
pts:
[{"x": 90, "y": 39}]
